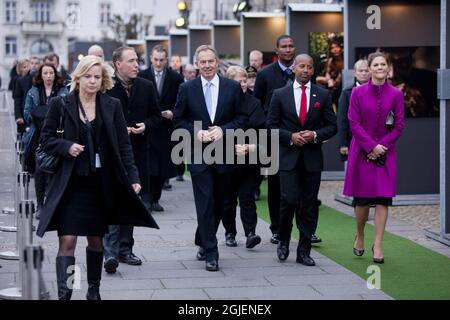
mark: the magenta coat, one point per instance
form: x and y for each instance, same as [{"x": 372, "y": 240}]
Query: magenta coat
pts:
[{"x": 369, "y": 107}]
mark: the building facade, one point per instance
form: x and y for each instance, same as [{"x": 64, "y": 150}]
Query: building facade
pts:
[{"x": 35, "y": 27}]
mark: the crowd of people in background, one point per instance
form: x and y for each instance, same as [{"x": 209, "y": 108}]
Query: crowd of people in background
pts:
[{"x": 116, "y": 148}]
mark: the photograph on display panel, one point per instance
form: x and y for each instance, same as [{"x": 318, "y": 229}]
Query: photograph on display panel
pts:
[
  {"x": 414, "y": 71},
  {"x": 327, "y": 51}
]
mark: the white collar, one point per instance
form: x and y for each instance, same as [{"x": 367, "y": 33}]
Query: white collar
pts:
[
  {"x": 214, "y": 81},
  {"x": 298, "y": 85}
]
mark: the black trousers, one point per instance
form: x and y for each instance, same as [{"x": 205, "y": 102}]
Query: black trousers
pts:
[
  {"x": 210, "y": 191},
  {"x": 273, "y": 201},
  {"x": 299, "y": 191},
  {"x": 245, "y": 183},
  {"x": 156, "y": 186},
  {"x": 180, "y": 169}
]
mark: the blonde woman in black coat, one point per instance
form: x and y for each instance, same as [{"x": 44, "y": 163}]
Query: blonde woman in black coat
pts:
[{"x": 97, "y": 182}]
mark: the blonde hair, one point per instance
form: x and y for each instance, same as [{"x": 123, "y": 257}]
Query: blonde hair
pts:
[
  {"x": 234, "y": 71},
  {"x": 85, "y": 65},
  {"x": 20, "y": 64}
]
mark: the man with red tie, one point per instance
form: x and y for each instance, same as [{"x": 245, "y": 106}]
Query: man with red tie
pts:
[{"x": 303, "y": 114}]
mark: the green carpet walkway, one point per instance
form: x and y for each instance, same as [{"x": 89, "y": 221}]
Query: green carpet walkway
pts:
[{"x": 410, "y": 271}]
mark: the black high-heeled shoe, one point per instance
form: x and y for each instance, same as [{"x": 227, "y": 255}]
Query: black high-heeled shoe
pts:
[
  {"x": 377, "y": 260},
  {"x": 358, "y": 252}
]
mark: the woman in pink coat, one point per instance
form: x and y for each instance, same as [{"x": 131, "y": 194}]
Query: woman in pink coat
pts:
[{"x": 371, "y": 177}]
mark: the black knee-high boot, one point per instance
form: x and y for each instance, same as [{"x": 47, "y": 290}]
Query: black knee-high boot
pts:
[
  {"x": 62, "y": 267},
  {"x": 94, "y": 260}
]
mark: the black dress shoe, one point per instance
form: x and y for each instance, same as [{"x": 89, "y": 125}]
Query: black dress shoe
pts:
[
  {"x": 283, "y": 250},
  {"x": 230, "y": 240},
  {"x": 167, "y": 186},
  {"x": 315, "y": 239},
  {"x": 212, "y": 265},
  {"x": 180, "y": 178},
  {"x": 319, "y": 202},
  {"x": 156, "y": 207},
  {"x": 252, "y": 240},
  {"x": 201, "y": 255},
  {"x": 305, "y": 259},
  {"x": 131, "y": 259},
  {"x": 111, "y": 265},
  {"x": 274, "y": 239}
]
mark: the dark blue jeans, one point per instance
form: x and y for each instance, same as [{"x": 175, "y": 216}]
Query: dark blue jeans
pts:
[{"x": 118, "y": 241}]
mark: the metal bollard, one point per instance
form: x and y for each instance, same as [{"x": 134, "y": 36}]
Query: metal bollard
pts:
[
  {"x": 18, "y": 152},
  {"x": 23, "y": 182},
  {"x": 33, "y": 286}
]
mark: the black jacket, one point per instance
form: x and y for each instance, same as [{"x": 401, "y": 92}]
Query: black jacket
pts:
[
  {"x": 160, "y": 140},
  {"x": 116, "y": 156},
  {"x": 320, "y": 118},
  {"x": 191, "y": 106},
  {"x": 23, "y": 84},
  {"x": 141, "y": 106},
  {"x": 268, "y": 79},
  {"x": 345, "y": 135}
]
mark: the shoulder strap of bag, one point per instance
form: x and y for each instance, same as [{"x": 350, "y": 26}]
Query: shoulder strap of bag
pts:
[{"x": 60, "y": 130}]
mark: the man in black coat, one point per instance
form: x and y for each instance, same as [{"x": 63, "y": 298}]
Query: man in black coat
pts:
[
  {"x": 362, "y": 75},
  {"x": 303, "y": 127},
  {"x": 166, "y": 83},
  {"x": 272, "y": 77},
  {"x": 21, "y": 88},
  {"x": 141, "y": 112},
  {"x": 216, "y": 103}
]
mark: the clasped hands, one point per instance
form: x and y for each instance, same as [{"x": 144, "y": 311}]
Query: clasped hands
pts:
[
  {"x": 243, "y": 149},
  {"x": 139, "y": 128},
  {"x": 303, "y": 137},
  {"x": 377, "y": 152},
  {"x": 213, "y": 133}
]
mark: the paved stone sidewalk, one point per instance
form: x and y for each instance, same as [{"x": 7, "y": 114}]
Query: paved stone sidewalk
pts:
[{"x": 170, "y": 269}]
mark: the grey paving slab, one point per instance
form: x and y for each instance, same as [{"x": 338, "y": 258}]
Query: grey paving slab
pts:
[{"x": 215, "y": 282}]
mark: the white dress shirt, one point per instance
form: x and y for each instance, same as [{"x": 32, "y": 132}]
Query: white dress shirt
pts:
[
  {"x": 214, "y": 93},
  {"x": 298, "y": 96}
]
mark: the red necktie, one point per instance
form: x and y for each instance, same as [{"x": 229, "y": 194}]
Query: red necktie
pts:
[{"x": 302, "y": 114}]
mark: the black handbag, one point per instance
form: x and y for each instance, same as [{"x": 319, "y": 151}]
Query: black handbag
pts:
[{"x": 46, "y": 162}]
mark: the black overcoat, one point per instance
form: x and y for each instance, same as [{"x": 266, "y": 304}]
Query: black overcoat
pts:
[
  {"x": 141, "y": 106},
  {"x": 160, "y": 140},
  {"x": 116, "y": 156}
]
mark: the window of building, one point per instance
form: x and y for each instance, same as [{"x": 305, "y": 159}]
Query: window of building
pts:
[
  {"x": 41, "y": 11},
  {"x": 73, "y": 15},
  {"x": 11, "y": 46},
  {"x": 10, "y": 11},
  {"x": 105, "y": 13},
  {"x": 41, "y": 47}
]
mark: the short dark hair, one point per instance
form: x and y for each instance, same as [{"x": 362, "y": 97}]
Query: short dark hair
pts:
[
  {"x": 51, "y": 56},
  {"x": 160, "y": 48},
  {"x": 282, "y": 37},
  {"x": 377, "y": 54},
  {"x": 117, "y": 54},
  {"x": 38, "y": 81}
]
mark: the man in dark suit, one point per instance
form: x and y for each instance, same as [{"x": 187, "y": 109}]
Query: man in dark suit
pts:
[
  {"x": 216, "y": 103},
  {"x": 166, "y": 83},
  {"x": 272, "y": 77},
  {"x": 303, "y": 114},
  {"x": 362, "y": 75},
  {"x": 140, "y": 108}
]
